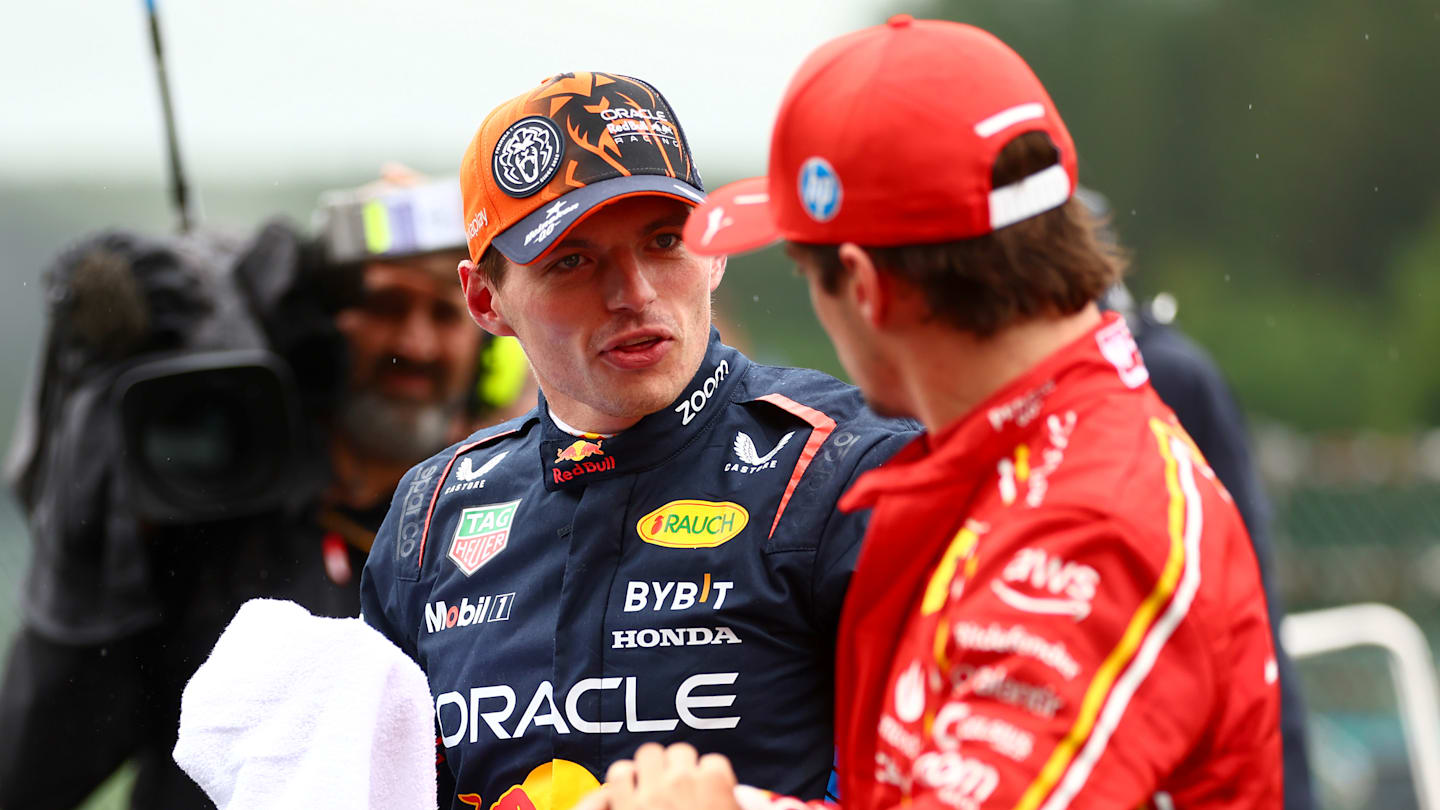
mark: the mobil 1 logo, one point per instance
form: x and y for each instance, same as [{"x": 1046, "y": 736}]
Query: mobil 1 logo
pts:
[{"x": 441, "y": 616}]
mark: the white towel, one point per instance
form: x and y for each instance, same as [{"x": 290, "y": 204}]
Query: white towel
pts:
[{"x": 297, "y": 711}]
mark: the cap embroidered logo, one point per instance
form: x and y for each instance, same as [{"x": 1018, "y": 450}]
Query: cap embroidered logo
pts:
[
  {"x": 527, "y": 156},
  {"x": 819, "y": 189},
  {"x": 938, "y": 188}
]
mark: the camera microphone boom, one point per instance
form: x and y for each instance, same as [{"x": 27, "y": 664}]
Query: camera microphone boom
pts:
[{"x": 179, "y": 190}]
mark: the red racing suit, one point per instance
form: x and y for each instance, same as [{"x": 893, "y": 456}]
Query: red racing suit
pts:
[{"x": 1057, "y": 606}]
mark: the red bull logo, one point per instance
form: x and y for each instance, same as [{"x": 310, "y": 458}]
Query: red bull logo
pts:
[
  {"x": 580, "y": 450},
  {"x": 693, "y": 524},
  {"x": 556, "y": 785}
]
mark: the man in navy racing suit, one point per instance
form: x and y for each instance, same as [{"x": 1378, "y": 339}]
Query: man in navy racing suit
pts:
[{"x": 654, "y": 552}]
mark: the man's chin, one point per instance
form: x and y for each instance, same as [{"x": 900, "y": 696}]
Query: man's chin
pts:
[
  {"x": 406, "y": 392},
  {"x": 882, "y": 407},
  {"x": 395, "y": 429},
  {"x": 631, "y": 396}
]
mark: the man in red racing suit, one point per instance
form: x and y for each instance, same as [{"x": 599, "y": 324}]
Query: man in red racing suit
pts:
[
  {"x": 1056, "y": 604},
  {"x": 1094, "y": 632}
]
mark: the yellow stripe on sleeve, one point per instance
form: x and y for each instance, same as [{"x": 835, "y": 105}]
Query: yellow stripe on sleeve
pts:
[{"x": 1124, "y": 651}]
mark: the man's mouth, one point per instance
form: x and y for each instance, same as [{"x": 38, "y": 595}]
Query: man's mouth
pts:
[
  {"x": 416, "y": 381},
  {"x": 637, "y": 345},
  {"x": 638, "y": 349}
]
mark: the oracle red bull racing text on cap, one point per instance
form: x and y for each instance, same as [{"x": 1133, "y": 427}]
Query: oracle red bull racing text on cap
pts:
[
  {"x": 545, "y": 159},
  {"x": 909, "y": 164}
]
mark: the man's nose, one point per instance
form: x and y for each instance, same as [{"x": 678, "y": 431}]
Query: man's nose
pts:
[
  {"x": 629, "y": 282},
  {"x": 417, "y": 338}
]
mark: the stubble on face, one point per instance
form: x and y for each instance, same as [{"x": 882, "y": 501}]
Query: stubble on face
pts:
[
  {"x": 412, "y": 352},
  {"x": 620, "y": 394},
  {"x": 396, "y": 430},
  {"x": 571, "y": 328},
  {"x": 631, "y": 394},
  {"x": 853, "y": 343}
]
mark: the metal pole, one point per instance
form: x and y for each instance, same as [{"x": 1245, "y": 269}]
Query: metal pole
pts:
[{"x": 180, "y": 192}]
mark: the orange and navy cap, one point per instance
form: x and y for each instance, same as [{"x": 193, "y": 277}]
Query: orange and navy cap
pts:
[
  {"x": 888, "y": 136},
  {"x": 545, "y": 159}
]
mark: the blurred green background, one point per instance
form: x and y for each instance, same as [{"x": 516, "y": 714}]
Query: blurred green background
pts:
[{"x": 1271, "y": 165}]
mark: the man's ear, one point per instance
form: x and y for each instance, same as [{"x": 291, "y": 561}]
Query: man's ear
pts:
[
  {"x": 717, "y": 271},
  {"x": 480, "y": 300},
  {"x": 870, "y": 290}
]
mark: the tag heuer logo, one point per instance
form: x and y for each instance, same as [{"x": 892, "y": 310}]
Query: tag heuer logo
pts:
[{"x": 482, "y": 533}]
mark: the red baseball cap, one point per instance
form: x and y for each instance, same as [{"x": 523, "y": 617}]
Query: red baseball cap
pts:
[
  {"x": 888, "y": 136},
  {"x": 545, "y": 159}
]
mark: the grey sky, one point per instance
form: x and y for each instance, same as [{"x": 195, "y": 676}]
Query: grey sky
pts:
[{"x": 267, "y": 88}]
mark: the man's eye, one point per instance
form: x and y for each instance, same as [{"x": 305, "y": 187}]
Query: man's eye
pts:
[
  {"x": 569, "y": 262},
  {"x": 385, "y": 304},
  {"x": 667, "y": 241},
  {"x": 447, "y": 313}
]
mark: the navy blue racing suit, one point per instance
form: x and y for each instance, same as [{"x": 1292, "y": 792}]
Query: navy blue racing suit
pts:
[{"x": 572, "y": 597}]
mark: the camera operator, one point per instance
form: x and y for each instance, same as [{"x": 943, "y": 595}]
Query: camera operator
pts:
[
  {"x": 161, "y": 459},
  {"x": 419, "y": 377},
  {"x": 214, "y": 421}
]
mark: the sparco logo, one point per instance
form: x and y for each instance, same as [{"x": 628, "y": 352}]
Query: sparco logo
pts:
[
  {"x": 692, "y": 405},
  {"x": 410, "y": 527},
  {"x": 460, "y": 715}
]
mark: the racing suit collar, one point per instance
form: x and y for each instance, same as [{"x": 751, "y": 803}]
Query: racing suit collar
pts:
[
  {"x": 1104, "y": 358},
  {"x": 569, "y": 461}
]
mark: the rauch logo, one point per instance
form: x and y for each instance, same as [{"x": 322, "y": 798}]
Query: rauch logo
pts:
[{"x": 693, "y": 524}]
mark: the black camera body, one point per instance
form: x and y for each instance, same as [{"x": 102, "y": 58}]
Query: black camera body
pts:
[
  {"x": 183, "y": 395},
  {"x": 209, "y": 435}
]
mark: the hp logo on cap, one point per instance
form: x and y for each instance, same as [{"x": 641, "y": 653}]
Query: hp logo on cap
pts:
[{"x": 819, "y": 189}]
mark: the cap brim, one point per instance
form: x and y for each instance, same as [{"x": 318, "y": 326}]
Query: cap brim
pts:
[
  {"x": 528, "y": 239},
  {"x": 733, "y": 219}
]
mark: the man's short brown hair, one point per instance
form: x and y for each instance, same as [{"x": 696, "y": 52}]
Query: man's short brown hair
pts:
[
  {"x": 492, "y": 265},
  {"x": 1050, "y": 264}
]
